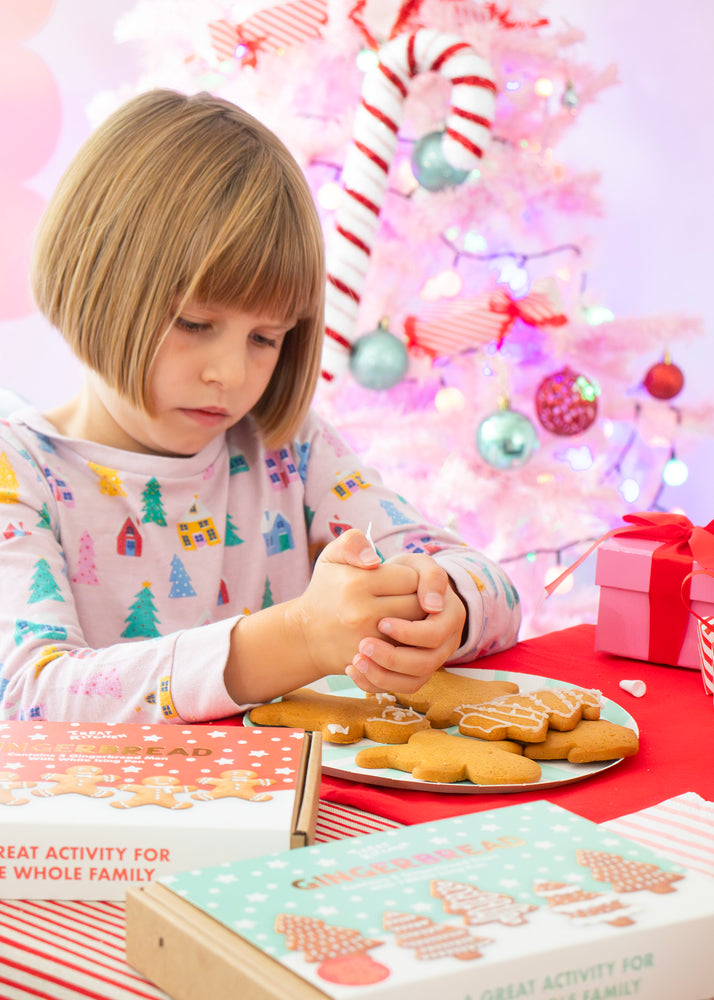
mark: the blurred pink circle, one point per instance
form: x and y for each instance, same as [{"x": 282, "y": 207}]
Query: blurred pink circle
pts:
[
  {"x": 30, "y": 111},
  {"x": 20, "y": 21},
  {"x": 20, "y": 210}
]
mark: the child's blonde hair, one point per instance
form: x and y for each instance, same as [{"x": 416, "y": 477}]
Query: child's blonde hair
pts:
[{"x": 183, "y": 196}]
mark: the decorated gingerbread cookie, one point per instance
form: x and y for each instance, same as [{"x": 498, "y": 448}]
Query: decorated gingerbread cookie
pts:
[
  {"x": 9, "y": 785},
  {"x": 433, "y": 755},
  {"x": 156, "y": 790},
  {"x": 81, "y": 779},
  {"x": 342, "y": 953},
  {"x": 511, "y": 717},
  {"x": 235, "y": 785},
  {"x": 528, "y": 716},
  {"x": 430, "y": 940},
  {"x": 479, "y": 906},
  {"x": 584, "y": 907},
  {"x": 626, "y": 875},
  {"x": 445, "y": 692},
  {"x": 342, "y": 720}
]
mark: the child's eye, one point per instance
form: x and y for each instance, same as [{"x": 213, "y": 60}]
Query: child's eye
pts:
[
  {"x": 261, "y": 340},
  {"x": 191, "y": 326}
]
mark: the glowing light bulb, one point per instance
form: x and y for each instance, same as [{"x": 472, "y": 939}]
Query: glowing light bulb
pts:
[
  {"x": 675, "y": 472},
  {"x": 514, "y": 276},
  {"x": 449, "y": 400},
  {"x": 595, "y": 315},
  {"x": 579, "y": 459},
  {"x": 445, "y": 285},
  {"x": 543, "y": 87},
  {"x": 513, "y": 85},
  {"x": 552, "y": 573},
  {"x": 329, "y": 195},
  {"x": 474, "y": 242},
  {"x": 367, "y": 59},
  {"x": 629, "y": 490}
]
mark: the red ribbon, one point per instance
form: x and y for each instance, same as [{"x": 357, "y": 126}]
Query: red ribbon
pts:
[
  {"x": 535, "y": 308},
  {"x": 682, "y": 543}
]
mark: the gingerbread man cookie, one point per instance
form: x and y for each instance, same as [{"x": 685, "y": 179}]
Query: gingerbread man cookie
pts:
[
  {"x": 342, "y": 720},
  {"x": 444, "y": 692},
  {"x": 79, "y": 780},
  {"x": 590, "y": 740},
  {"x": 157, "y": 790},
  {"x": 433, "y": 755},
  {"x": 8, "y": 784},
  {"x": 235, "y": 785}
]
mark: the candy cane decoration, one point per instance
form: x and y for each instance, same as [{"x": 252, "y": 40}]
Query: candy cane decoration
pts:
[{"x": 369, "y": 157}]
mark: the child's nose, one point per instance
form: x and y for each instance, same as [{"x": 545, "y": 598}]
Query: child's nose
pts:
[{"x": 227, "y": 363}]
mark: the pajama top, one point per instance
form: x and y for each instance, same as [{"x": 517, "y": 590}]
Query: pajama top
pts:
[{"x": 123, "y": 574}]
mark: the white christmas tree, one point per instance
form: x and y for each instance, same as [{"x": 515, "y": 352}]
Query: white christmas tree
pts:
[{"x": 477, "y": 371}]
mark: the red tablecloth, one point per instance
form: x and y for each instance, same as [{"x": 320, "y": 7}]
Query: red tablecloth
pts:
[{"x": 675, "y": 718}]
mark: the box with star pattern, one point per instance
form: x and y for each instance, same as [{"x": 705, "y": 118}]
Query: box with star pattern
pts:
[
  {"x": 526, "y": 901},
  {"x": 87, "y": 810}
]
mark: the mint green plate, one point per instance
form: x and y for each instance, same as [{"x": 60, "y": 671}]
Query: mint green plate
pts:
[{"x": 338, "y": 759}]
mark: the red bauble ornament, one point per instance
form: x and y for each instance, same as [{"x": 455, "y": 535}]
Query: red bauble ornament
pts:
[
  {"x": 566, "y": 403},
  {"x": 664, "y": 380}
]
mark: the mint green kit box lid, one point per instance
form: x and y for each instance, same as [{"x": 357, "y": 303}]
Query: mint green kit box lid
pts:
[{"x": 523, "y": 901}]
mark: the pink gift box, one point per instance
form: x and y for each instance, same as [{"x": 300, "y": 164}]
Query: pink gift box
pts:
[{"x": 623, "y": 622}]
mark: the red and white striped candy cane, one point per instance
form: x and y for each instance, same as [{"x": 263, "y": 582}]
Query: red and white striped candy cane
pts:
[{"x": 370, "y": 154}]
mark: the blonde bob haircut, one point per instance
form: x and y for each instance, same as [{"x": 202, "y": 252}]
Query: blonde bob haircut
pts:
[{"x": 173, "y": 197}]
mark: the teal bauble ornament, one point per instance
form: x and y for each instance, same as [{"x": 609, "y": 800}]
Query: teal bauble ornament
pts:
[
  {"x": 506, "y": 439},
  {"x": 379, "y": 360},
  {"x": 431, "y": 168}
]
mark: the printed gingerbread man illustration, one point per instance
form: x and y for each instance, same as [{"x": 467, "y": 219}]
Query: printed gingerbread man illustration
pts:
[
  {"x": 8, "y": 784},
  {"x": 80, "y": 780},
  {"x": 157, "y": 790},
  {"x": 235, "y": 785}
]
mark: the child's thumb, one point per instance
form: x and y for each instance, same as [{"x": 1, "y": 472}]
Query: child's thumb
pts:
[{"x": 353, "y": 548}]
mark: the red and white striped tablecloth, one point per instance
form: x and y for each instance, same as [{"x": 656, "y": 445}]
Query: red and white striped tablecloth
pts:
[
  {"x": 75, "y": 950},
  {"x": 59, "y": 950}
]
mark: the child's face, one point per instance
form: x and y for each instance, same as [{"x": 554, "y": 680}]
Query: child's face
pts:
[{"x": 211, "y": 369}]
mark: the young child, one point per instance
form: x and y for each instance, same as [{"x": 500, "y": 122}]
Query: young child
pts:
[{"x": 160, "y": 529}]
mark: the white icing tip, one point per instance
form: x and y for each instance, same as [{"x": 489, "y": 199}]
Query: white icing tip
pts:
[{"x": 636, "y": 688}]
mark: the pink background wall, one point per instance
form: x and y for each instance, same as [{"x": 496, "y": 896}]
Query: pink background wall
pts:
[{"x": 650, "y": 137}]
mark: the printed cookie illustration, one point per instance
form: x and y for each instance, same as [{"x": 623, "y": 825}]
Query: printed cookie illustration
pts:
[
  {"x": 235, "y": 785},
  {"x": 9, "y": 784},
  {"x": 342, "y": 720},
  {"x": 79, "y": 780},
  {"x": 624, "y": 875},
  {"x": 341, "y": 951},
  {"x": 589, "y": 741},
  {"x": 584, "y": 907},
  {"x": 431, "y": 940},
  {"x": 433, "y": 755},
  {"x": 157, "y": 790},
  {"x": 478, "y": 906},
  {"x": 444, "y": 692}
]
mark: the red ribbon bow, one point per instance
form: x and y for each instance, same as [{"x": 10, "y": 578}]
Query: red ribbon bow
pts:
[
  {"x": 682, "y": 543},
  {"x": 448, "y": 326}
]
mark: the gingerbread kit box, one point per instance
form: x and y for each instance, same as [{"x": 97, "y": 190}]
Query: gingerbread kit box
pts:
[
  {"x": 526, "y": 901},
  {"x": 88, "y": 810}
]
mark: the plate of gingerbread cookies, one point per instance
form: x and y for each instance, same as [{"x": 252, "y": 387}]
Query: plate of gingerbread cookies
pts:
[{"x": 466, "y": 730}]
